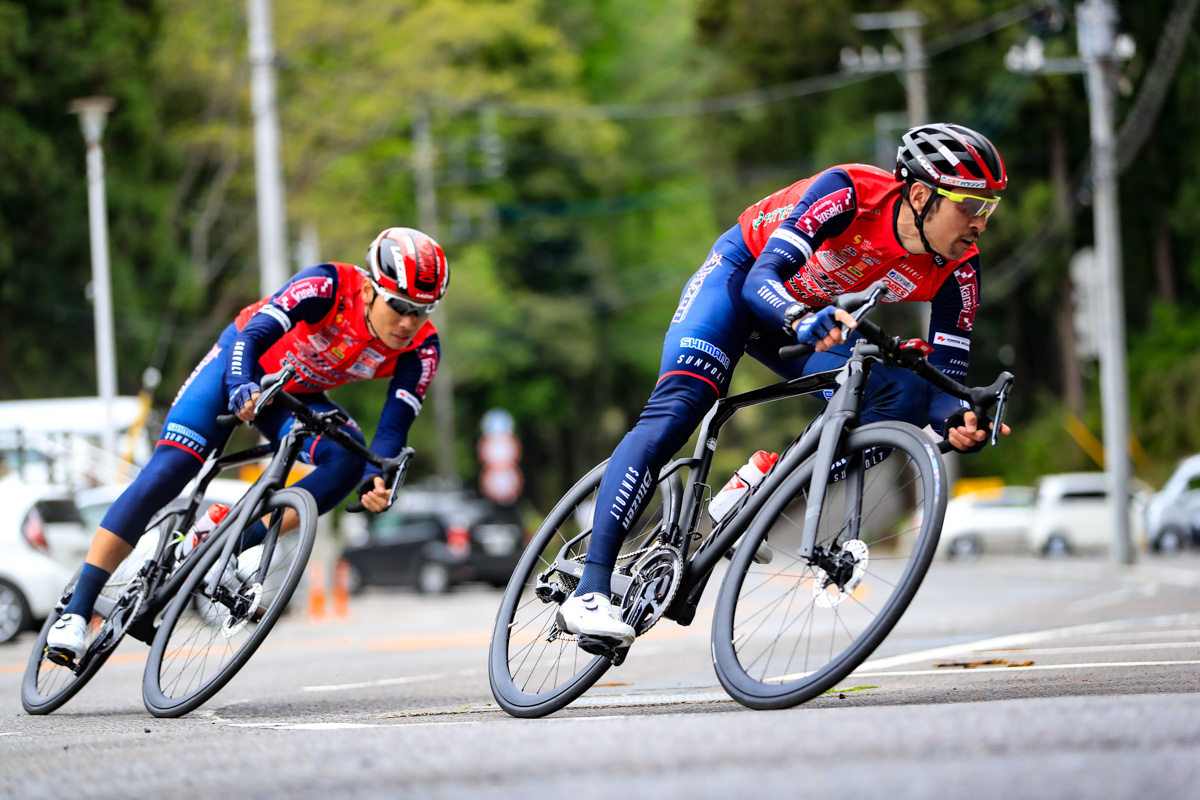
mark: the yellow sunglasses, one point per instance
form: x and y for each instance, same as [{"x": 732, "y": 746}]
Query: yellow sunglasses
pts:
[{"x": 973, "y": 206}]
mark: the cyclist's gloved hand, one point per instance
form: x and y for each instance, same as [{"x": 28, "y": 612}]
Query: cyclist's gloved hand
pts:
[
  {"x": 815, "y": 327},
  {"x": 958, "y": 420},
  {"x": 373, "y": 493},
  {"x": 240, "y": 394}
]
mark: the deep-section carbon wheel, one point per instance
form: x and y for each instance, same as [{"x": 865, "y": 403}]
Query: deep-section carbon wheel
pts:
[
  {"x": 535, "y": 668},
  {"x": 48, "y": 685},
  {"x": 221, "y": 616},
  {"x": 786, "y": 631}
]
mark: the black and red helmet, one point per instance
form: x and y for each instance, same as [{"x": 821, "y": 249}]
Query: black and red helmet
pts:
[
  {"x": 951, "y": 156},
  {"x": 408, "y": 265}
]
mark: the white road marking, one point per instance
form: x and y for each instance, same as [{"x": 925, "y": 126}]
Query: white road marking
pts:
[
  {"x": 341, "y": 687},
  {"x": 1099, "y": 648},
  {"x": 302, "y": 726},
  {"x": 1014, "y": 641},
  {"x": 1032, "y": 667}
]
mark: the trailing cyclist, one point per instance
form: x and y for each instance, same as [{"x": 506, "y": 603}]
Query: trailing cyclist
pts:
[
  {"x": 335, "y": 323},
  {"x": 769, "y": 280}
]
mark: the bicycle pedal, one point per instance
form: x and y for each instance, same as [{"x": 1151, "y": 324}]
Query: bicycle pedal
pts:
[
  {"x": 606, "y": 648},
  {"x": 61, "y": 659}
]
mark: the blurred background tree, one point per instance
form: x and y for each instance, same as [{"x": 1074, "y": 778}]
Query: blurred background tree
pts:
[{"x": 587, "y": 156}]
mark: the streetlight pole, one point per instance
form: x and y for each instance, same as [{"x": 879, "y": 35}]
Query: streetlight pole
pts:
[
  {"x": 1097, "y": 24},
  {"x": 424, "y": 156},
  {"x": 93, "y": 113},
  {"x": 268, "y": 172}
]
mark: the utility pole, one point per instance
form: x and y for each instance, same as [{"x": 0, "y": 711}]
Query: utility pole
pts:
[
  {"x": 268, "y": 171},
  {"x": 906, "y": 25},
  {"x": 1097, "y": 48},
  {"x": 93, "y": 113},
  {"x": 442, "y": 389}
]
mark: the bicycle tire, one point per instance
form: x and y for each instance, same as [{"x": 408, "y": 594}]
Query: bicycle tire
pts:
[
  {"x": 825, "y": 623},
  {"x": 174, "y": 682},
  {"x": 46, "y": 686},
  {"x": 524, "y": 620}
]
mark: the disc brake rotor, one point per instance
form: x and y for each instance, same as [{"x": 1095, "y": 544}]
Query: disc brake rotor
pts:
[
  {"x": 827, "y": 592},
  {"x": 235, "y": 622}
]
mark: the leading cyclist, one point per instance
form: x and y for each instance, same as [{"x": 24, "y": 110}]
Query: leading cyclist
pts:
[
  {"x": 768, "y": 281},
  {"x": 326, "y": 321}
]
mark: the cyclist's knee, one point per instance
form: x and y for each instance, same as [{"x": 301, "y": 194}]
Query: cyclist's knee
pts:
[
  {"x": 896, "y": 394},
  {"x": 676, "y": 407},
  {"x": 159, "y": 482}
]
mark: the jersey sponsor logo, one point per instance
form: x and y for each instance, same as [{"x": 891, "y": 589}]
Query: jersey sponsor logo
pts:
[
  {"x": 705, "y": 347},
  {"x": 773, "y": 216},
  {"x": 693, "y": 287},
  {"x": 429, "y": 364},
  {"x": 794, "y": 240},
  {"x": 961, "y": 342},
  {"x": 824, "y": 210},
  {"x": 773, "y": 300},
  {"x": 204, "y": 362},
  {"x": 362, "y": 370},
  {"x": 304, "y": 289},
  {"x": 409, "y": 399},
  {"x": 899, "y": 278},
  {"x": 318, "y": 341},
  {"x": 968, "y": 290},
  {"x": 183, "y": 430}
]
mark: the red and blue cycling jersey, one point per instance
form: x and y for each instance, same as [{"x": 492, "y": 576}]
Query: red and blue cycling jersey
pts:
[
  {"x": 317, "y": 322},
  {"x": 835, "y": 233}
]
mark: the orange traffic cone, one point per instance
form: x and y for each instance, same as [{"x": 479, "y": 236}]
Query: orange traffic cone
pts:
[
  {"x": 341, "y": 589},
  {"x": 316, "y": 592}
]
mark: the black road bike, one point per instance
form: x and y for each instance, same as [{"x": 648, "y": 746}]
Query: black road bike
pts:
[
  {"x": 820, "y": 560},
  {"x": 204, "y": 614}
]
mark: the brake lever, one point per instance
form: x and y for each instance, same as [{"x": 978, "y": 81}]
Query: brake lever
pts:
[
  {"x": 1001, "y": 409},
  {"x": 273, "y": 385}
]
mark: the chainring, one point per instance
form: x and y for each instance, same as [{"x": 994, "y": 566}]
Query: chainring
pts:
[{"x": 656, "y": 579}]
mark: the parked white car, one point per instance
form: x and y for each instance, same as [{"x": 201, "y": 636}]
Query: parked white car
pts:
[
  {"x": 1173, "y": 516},
  {"x": 42, "y": 542},
  {"x": 1071, "y": 513},
  {"x": 987, "y": 521}
]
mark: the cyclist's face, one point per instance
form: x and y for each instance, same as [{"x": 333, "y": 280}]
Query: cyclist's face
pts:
[
  {"x": 394, "y": 329},
  {"x": 949, "y": 228}
]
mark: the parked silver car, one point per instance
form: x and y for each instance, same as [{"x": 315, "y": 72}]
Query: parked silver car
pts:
[{"x": 1173, "y": 515}]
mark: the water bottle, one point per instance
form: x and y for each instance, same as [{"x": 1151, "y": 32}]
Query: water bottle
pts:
[
  {"x": 209, "y": 520},
  {"x": 746, "y": 478}
]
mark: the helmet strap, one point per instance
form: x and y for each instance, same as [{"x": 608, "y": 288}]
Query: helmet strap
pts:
[
  {"x": 919, "y": 222},
  {"x": 367, "y": 315}
]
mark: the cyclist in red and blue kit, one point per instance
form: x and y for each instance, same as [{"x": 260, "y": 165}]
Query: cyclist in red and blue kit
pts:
[
  {"x": 768, "y": 282},
  {"x": 336, "y": 323}
]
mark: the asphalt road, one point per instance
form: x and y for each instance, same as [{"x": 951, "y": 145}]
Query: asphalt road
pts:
[{"x": 1008, "y": 677}]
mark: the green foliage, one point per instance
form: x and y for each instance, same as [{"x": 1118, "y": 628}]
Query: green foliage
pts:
[{"x": 564, "y": 284}]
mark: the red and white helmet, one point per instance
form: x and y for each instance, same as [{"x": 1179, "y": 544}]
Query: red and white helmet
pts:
[
  {"x": 408, "y": 268},
  {"x": 951, "y": 156}
]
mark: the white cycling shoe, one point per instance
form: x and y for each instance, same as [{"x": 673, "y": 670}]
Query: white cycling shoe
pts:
[
  {"x": 592, "y": 614},
  {"x": 68, "y": 637}
]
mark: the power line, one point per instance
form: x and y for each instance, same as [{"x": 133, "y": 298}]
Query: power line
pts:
[
  {"x": 708, "y": 105},
  {"x": 1011, "y": 272}
]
